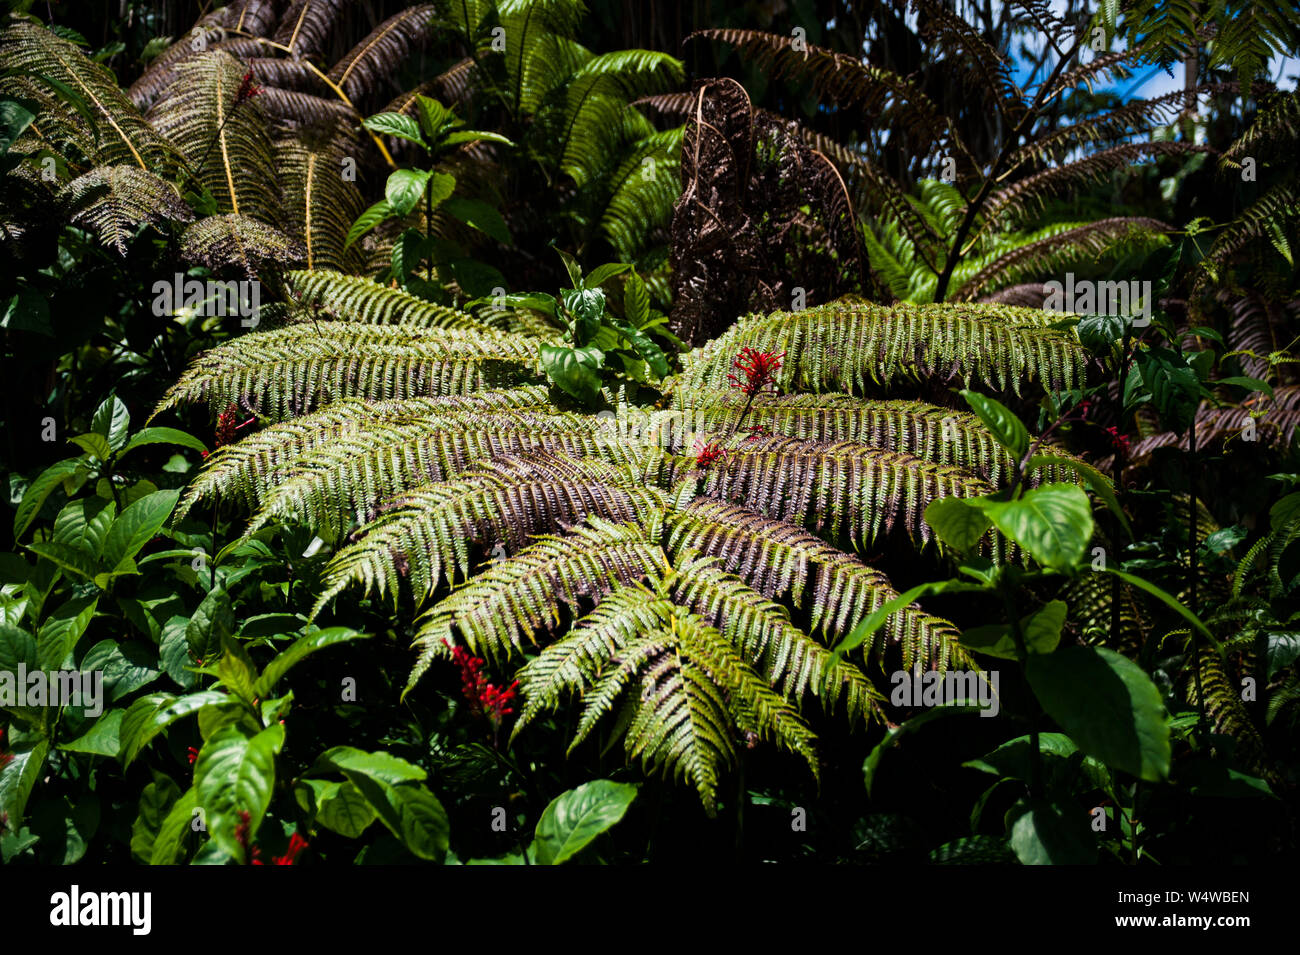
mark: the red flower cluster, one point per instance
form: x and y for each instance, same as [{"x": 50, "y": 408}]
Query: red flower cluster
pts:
[
  {"x": 1118, "y": 441},
  {"x": 706, "y": 454},
  {"x": 193, "y": 754},
  {"x": 5, "y": 758},
  {"x": 227, "y": 428},
  {"x": 757, "y": 370},
  {"x": 248, "y": 89},
  {"x": 484, "y": 698},
  {"x": 297, "y": 844}
]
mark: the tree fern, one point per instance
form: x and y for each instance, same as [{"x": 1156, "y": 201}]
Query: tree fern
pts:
[{"x": 115, "y": 201}]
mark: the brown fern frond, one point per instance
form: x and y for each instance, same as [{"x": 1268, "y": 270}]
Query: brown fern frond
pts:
[
  {"x": 378, "y": 56},
  {"x": 306, "y": 25},
  {"x": 231, "y": 241},
  {"x": 115, "y": 201}
]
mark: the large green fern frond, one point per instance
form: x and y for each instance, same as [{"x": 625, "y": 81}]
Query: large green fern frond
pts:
[
  {"x": 320, "y": 205},
  {"x": 853, "y": 346}
]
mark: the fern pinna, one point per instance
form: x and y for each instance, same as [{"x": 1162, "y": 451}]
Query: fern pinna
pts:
[{"x": 682, "y": 564}]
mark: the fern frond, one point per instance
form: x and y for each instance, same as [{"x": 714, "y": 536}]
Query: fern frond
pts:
[
  {"x": 351, "y": 298},
  {"x": 305, "y": 27},
  {"x": 114, "y": 201},
  {"x": 120, "y": 135},
  {"x": 227, "y": 141},
  {"x": 518, "y": 598},
  {"x": 289, "y": 371},
  {"x": 377, "y": 56},
  {"x": 851, "y": 345},
  {"x": 1044, "y": 256},
  {"x": 235, "y": 241},
  {"x": 320, "y": 206},
  {"x": 1266, "y": 217},
  {"x": 427, "y": 534}
]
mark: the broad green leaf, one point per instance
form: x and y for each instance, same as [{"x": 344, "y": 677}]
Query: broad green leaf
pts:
[
  {"x": 636, "y": 301},
  {"x": 60, "y": 632},
  {"x": 156, "y": 801},
  {"x": 40, "y": 489},
  {"x": 957, "y": 523},
  {"x": 26, "y": 311},
  {"x": 587, "y": 307},
  {"x": 395, "y": 124},
  {"x": 376, "y": 214},
  {"x": 572, "y": 267},
  {"x": 1107, "y": 705},
  {"x": 235, "y": 774},
  {"x": 178, "y": 824},
  {"x": 96, "y": 445},
  {"x": 652, "y": 354},
  {"x": 299, "y": 650},
  {"x": 404, "y": 189},
  {"x": 1250, "y": 384},
  {"x": 136, "y": 526},
  {"x": 574, "y": 818},
  {"x": 17, "y": 646},
  {"x": 150, "y": 715},
  {"x": 164, "y": 436},
  {"x": 112, "y": 420},
  {"x": 410, "y": 812},
  {"x": 84, "y": 523},
  {"x": 342, "y": 808},
  {"x": 603, "y": 273},
  {"x": 433, "y": 117},
  {"x": 876, "y": 619},
  {"x": 15, "y": 116},
  {"x": 102, "y": 739},
  {"x": 1052, "y": 522},
  {"x": 18, "y": 777},
  {"x": 72, "y": 560},
  {"x": 1098, "y": 482},
  {"x": 126, "y": 665},
  {"x": 1001, "y": 422},
  {"x": 574, "y": 370},
  {"x": 378, "y": 765},
  {"x": 1044, "y": 833},
  {"x": 212, "y": 622},
  {"x": 1041, "y": 630},
  {"x": 480, "y": 215},
  {"x": 473, "y": 136}
]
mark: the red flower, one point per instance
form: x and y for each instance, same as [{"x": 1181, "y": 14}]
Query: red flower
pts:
[
  {"x": 484, "y": 698},
  {"x": 296, "y": 846},
  {"x": 193, "y": 754},
  {"x": 248, "y": 89},
  {"x": 706, "y": 454},
  {"x": 1119, "y": 442},
  {"x": 5, "y": 758},
  {"x": 226, "y": 426},
  {"x": 757, "y": 370}
]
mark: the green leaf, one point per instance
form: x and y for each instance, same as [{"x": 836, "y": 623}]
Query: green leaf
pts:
[
  {"x": 1167, "y": 599},
  {"x": 576, "y": 817},
  {"x": 136, "y": 526},
  {"x": 395, "y": 124},
  {"x": 112, "y": 420},
  {"x": 61, "y": 631},
  {"x": 40, "y": 489},
  {"x": 1044, "y": 833},
  {"x": 405, "y": 188},
  {"x": 376, "y": 214},
  {"x": 480, "y": 215},
  {"x": 163, "y": 436},
  {"x": 17, "y": 646},
  {"x": 410, "y": 812},
  {"x": 1107, "y": 705},
  {"x": 434, "y": 117},
  {"x": 74, "y": 560},
  {"x": 212, "y": 622},
  {"x": 957, "y": 523},
  {"x": 299, "y": 650},
  {"x": 102, "y": 739},
  {"x": 574, "y": 370},
  {"x": 603, "y": 273},
  {"x": 636, "y": 301},
  {"x": 651, "y": 353},
  {"x": 1041, "y": 630},
  {"x": 84, "y": 523},
  {"x": 876, "y": 619},
  {"x": 378, "y": 765},
  {"x": 26, "y": 311},
  {"x": 96, "y": 445},
  {"x": 175, "y": 828},
  {"x": 15, "y": 116},
  {"x": 587, "y": 307},
  {"x": 235, "y": 774},
  {"x": 156, "y": 801},
  {"x": 342, "y": 808},
  {"x": 18, "y": 777},
  {"x": 1001, "y": 422},
  {"x": 572, "y": 267},
  {"x": 1098, "y": 482},
  {"x": 473, "y": 136},
  {"x": 1052, "y": 522},
  {"x": 150, "y": 715}
]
